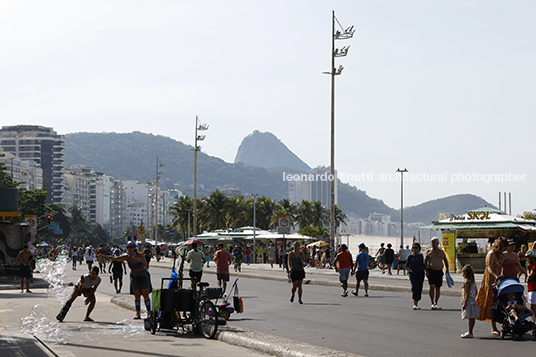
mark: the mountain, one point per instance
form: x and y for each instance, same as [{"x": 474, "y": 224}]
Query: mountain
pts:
[
  {"x": 266, "y": 150},
  {"x": 458, "y": 204},
  {"x": 132, "y": 156}
]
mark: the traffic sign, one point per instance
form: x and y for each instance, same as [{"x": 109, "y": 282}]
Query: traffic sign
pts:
[
  {"x": 172, "y": 233},
  {"x": 31, "y": 221},
  {"x": 141, "y": 229},
  {"x": 283, "y": 226}
]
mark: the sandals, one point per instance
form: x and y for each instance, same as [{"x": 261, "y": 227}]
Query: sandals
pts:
[
  {"x": 354, "y": 293},
  {"x": 89, "y": 319}
]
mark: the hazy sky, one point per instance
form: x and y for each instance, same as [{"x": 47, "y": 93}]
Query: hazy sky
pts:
[{"x": 442, "y": 88}]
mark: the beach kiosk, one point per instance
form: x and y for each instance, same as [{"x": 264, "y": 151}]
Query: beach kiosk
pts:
[{"x": 477, "y": 225}]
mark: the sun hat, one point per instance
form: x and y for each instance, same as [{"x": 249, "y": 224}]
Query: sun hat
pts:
[{"x": 434, "y": 239}]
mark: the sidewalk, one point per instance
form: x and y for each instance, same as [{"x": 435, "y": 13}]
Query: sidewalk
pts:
[{"x": 328, "y": 277}]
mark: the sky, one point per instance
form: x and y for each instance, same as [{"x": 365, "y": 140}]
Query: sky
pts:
[{"x": 442, "y": 88}]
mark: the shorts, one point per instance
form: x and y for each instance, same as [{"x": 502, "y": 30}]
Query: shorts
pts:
[
  {"x": 381, "y": 259},
  {"x": 25, "y": 271},
  {"x": 196, "y": 274},
  {"x": 471, "y": 312},
  {"x": 296, "y": 275},
  {"x": 402, "y": 263},
  {"x": 532, "y": 297},
  {"x": 140, "y": 280},
  {"x": 224, "y": 277},
  {"x": 435, "y": 277},
  {"x": 362, "y": 274},
  {"x": 117, "y": 274},
  {"x": 344, "y": 273}
]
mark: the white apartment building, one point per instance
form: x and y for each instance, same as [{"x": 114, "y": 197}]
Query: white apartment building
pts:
[
  {"x": 78, "y": 180},
  {"x": 314, "y": 186},
  {"x": 27, "y": 172},
  {"x": 43, "y": 146}
]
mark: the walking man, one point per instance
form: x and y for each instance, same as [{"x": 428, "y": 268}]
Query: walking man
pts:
[
  {"x": 402, "y": 257},
  {"x": 24, "y": 258},
  {"x": 87, "y": 285},
  {"x": 434, "y": 259},
  {"x": 223, "y": 260},
  {"x": 196, "y": 258},
  {"x": 361, "y": 269},
  {"x": 343, "y": 264},
  {"x": 271, "y": 254}
]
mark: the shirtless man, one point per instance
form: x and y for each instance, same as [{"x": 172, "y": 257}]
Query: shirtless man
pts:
[
  {"x": 24, "y": 258},
  {"x": 433, "y": 262}
]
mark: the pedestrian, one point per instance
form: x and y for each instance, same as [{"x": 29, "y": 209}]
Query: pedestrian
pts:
[
  {"x": 415, "y": 268},
  {"x": 389, "y": 255},
  {"x": 196, "y": 258},
  {"x": 271, "y": 254},
  {"x": 87, "y": 285},
  {"x": 118, "y": 269},
  {"x": 468, "y": 300},
  {"x": 523, "y": 259},
  {"x": 512, "y": 267},
  {"x": 280, "y": 254},
  {"x": 361, "y": 269},
  {"x": 531, "y": 280},
  {"x": 343, "y": 265},
  {"x": 148, "y": 253},
  {"x": 80, "y": 256},
  {"x": 223, "y": 259},
  {"x": 434, "y": 259},
  {"x": 486, "y": 296},
  {"x": 90, "y": 257},
  {"x": 75, "y": 257},
  {"x": 101, "y": 250},
  {"x": 296, "y": 262},
  {"x": 402, "y": 257},
  {"x": 381, "y": 257},
  {"x": 140, "y": 280},
  {"x": 24, "y": 258},
  {"x": 247, "y": 253},
  {"x": 206, "y": 252},
  {"x": 237, "y": 257}
]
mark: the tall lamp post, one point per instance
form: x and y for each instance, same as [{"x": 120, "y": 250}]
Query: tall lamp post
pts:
[
  {"x": 401, "y": 205},
  {"x": 158, "y": 173},
  {"x": 255, "y": 195},
  {"x": 198, "y": 127},
  {"x": 341, "y": 34}
]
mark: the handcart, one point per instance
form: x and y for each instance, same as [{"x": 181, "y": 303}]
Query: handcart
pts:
[{"x": 183, "y": 308}]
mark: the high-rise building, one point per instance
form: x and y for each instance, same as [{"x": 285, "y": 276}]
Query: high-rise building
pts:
[
  {"x": 28, "y": 173},
  {"x": 43, "y": 146},
  {"x": 78, "y": 179},
  {"x": 314, "y": 186}
]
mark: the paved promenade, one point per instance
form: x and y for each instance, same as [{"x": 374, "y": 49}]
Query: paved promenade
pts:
[{"x": 116, "y": 333}]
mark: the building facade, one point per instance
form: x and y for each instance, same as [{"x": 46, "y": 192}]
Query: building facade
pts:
[{"x": 43, "y": 146}]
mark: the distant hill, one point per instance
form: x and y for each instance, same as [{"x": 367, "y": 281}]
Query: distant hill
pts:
[
  {"x": 458, "y": 204},
  {"x": 266, "y": 150},
  {"x": 132, "y": 156}
]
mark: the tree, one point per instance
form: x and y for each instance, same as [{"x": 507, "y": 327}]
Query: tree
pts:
[
  {"x": 285, "y": 207},
  {"x": 304, "y": 214},
  {"x": 319, "y": 214},
  {"x": 266, "y": 212},
  {"x": 5, "y": 180},
  {"x": 237, "y": 212},
  {"x": 182, "y": 211},
  {"x": 213, "y": 214},
  {"x": 340, "y": 218}
]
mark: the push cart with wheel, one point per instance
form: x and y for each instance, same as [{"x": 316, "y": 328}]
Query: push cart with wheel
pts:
[{"x": 186, "y": 309}]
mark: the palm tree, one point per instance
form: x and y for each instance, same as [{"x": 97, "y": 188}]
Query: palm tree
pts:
[
  {"x": 182, "y": 211},
  {"x": 319, "y": 214},
  {"x": 213, "y": 214},
  {"x": 285, "y": 207},
  {"x": 340, "y": 218},
  {"x": 304, "y": 214},
  {"x": 237, "y": 212},
  {"x": 266, "y": 212}
]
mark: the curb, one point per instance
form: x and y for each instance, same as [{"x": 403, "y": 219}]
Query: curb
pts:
[{"x": 258, "y": 341}]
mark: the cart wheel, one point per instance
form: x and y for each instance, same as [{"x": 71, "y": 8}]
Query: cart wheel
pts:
[
  {"x": 225, "y": 314},
  {"x": 152, "y": 321},
  {"x": 208, "y": 324},
  {"x": 503, "y": 333}
]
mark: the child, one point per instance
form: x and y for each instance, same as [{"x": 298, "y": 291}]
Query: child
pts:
[
  {"x": 531, "y": 280},
  {"x": 513, "y": 306},
  {"x": 468, "y": 300}
]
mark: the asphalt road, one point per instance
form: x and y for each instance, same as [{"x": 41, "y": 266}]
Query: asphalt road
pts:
[{"x": 380, "y": 325}]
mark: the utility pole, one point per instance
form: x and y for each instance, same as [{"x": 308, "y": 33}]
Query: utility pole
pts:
[
  {"x": 200, "y": 127},
  {"x": 401, "y": 205},
  {"x": 341, "y": 34}
]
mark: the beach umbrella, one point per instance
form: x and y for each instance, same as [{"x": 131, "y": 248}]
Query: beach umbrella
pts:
[
  {"x": 194, "y": 240},
  {"x": 318, "y": 244}
]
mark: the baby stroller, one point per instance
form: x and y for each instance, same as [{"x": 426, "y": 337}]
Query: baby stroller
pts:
[{"x": 502, "y": 315}]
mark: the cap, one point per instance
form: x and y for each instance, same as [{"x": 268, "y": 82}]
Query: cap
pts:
[
  {"x": 434, "y": 239},
  {"x": 362, "y": 245},
  {"x": 511, "y": 242},
  {"x": 131, "y": 244}
]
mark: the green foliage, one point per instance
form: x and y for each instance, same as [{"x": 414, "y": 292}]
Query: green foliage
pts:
[
  {"x": 5, "y": 180},
  {"x": 313, "y": 231}
]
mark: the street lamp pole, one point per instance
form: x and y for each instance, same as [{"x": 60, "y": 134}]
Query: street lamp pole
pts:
[
  {"x": 255, "y": 195},
  {"x": 156, "y": 201},
  {"x": 198, "y": 127},
  {"x": 341, "y": 34},
  {"x": 401, "y": 205}
]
